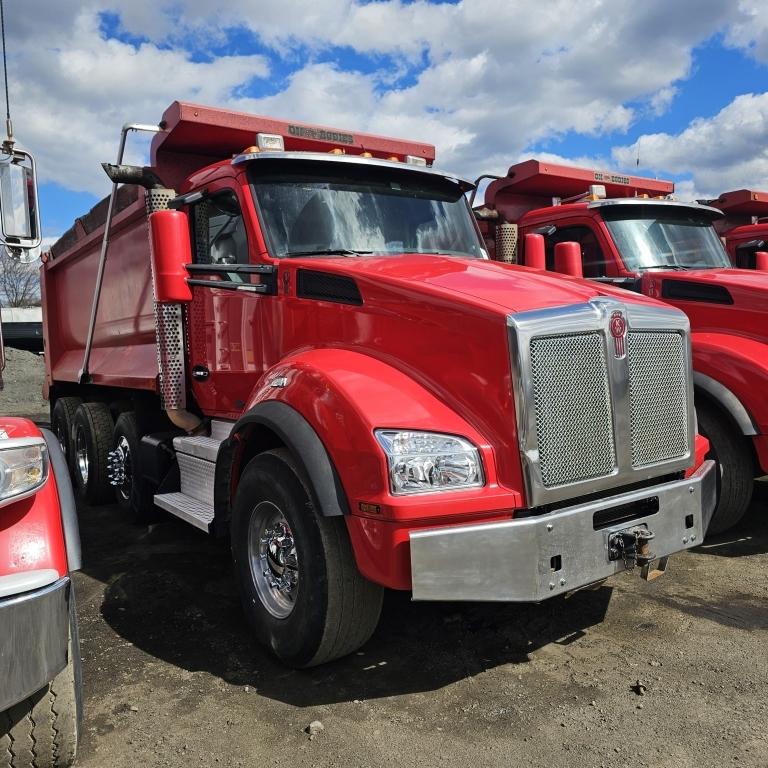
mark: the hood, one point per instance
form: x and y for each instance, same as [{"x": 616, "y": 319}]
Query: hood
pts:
[
  {"x": 715, "y": 300},
  {"x": 491, "y": 285}
]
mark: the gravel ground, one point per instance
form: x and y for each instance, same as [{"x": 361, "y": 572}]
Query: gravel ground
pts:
[
  {"x": 23, "y": 377},
  {"x": 668, "y": 674}
]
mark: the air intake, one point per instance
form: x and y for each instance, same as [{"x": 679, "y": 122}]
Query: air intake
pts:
[{"x": 326, "y": 287}]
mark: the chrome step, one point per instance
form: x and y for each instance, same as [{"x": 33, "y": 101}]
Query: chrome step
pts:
[
  {"x": 188, "y": 509},
  {"x": 205, "y": 448},
  {"x": 220, "y": 430}
]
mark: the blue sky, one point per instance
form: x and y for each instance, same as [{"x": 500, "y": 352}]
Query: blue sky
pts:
[{"x": 490, "y": 82}]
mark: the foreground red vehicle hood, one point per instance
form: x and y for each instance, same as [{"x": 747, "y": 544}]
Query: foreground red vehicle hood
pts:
[{"x": 490, "y": 285}]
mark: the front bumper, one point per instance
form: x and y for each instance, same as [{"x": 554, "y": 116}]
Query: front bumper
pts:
[
  {"x": 534, "y": 558},
  {"x": 34, "y": 633}
]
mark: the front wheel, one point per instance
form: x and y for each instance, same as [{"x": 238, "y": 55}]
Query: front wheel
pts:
[
  {"x": 299, "y": 585},
  {"x": 43, "y": 730},
  {"x": 735, "y": 465}
]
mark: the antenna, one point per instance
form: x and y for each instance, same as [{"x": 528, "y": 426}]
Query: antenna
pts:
[
  {"x": 9, "y": 142},
  {"x": 637, "y": 162}
]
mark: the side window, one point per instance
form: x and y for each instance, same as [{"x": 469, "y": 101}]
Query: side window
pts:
[
  {"x": 592, "y": 258},
  {"x": 219, "y": 231},
  {"x": 745, "y": 253}
]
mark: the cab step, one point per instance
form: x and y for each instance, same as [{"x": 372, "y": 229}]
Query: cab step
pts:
[
  {"x": 187, "y": 508},
  {"x": 197, "y": 470}
]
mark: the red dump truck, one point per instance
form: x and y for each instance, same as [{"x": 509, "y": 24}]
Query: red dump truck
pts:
[
  {"x": 626, "y": 231},
  {"x": 744, "y": 227},
  {"x": 301, "y": 343}
]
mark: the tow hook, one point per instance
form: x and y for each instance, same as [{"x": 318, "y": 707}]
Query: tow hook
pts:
[{"x": 633, "y": 547}]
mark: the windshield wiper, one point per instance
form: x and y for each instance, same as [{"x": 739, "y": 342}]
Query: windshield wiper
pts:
[
  {"x": 328, "y": 252},
  {"x": 665, "y": 266}
]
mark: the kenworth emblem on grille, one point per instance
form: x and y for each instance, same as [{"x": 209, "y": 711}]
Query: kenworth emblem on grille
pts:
[{"x": 618, "y": 331}]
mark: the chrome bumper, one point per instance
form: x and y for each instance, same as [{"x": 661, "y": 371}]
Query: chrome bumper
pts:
[
  {"x": 517, "y": 561},
  {"x": 34, "y": 632}
]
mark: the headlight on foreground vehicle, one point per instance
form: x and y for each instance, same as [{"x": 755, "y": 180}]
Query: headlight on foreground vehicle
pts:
[
  {"x": 420, "y": 462},
  {"x": 23, "y": 469}
]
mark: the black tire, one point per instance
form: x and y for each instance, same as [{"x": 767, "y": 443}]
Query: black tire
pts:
[
  {"x": 735, "y": 465},
  {"x": 135, "y": 495},
  {"x": 93, "y": 427},
  {"x": 62, "y": 423},
  {"x": 43, "y": 730},
  {"x": 335, "y": 610}
]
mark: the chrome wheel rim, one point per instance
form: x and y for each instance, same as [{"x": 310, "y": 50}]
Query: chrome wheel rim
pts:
[
  {"x": 81, "y": 454},
  {"x": 124, "y": 451},
  {"x": 273, "y": 560}
]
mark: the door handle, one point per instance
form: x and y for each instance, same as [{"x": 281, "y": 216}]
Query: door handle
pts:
[{"x": 200, "y": 373}]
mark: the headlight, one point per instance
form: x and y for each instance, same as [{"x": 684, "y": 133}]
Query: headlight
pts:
[
  {"x": 420, "y": 462},
  {"x": 23, "y": 469}
]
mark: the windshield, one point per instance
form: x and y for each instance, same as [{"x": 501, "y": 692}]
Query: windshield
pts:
[
  {"x": 312, "y": 208},
  {"x": 673, "y": 238}
]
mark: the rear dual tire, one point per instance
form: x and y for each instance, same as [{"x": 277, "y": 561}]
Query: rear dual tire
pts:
[
  {"x": 92, "y": 442},
  {"x": 299, "y": 585},
  {"x": 62, "y": 424}
]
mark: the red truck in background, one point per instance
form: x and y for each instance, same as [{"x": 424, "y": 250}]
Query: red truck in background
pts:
[
  {"x": 297, "y": 340},
  {"x": 40, "y": 691},
  {"x": 40, "y": 688},
  {"x": 744, "y": 227},
  {"x": 630, "y": 234}
]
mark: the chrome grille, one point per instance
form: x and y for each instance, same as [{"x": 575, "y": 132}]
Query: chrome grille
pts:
[
  {"x": 572, "y": 403},
  {"x": 658, "y": 396}
]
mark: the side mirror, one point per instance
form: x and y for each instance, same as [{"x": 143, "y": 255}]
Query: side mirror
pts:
[
  {"x": 171, "y": 251},
  {"x": 761, "y": 261},
  {"x": 19, "y": 212},
  {"x": 568, "y": 259},
  {"x": 535, "y": 255}
]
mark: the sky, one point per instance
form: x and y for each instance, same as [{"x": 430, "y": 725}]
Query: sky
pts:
[{"x": 675, "y": 89}]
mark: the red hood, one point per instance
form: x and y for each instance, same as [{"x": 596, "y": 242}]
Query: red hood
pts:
[
  {"x": 715, "y": 300},
  {"x": 490, "y": 285}
]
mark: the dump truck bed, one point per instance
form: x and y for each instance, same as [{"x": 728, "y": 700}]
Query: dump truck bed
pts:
[{"x": 124, "y": 352}]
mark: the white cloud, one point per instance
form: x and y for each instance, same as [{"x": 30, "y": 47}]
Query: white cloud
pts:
[
  {"x": 72, "y": 89},
  {"x": 498, "y": 76},
  {"x": 750, "y": 30},
  {"x": 727, "y": 151}
]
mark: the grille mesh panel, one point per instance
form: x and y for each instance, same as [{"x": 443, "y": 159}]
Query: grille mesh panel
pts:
[
  {"x": 572, "y": 402},
  {"x": 658, "y": 396}
]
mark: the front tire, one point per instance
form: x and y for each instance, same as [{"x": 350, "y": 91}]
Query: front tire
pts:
[
  {"x": 735, "y": 465},
  {"x": 93, "y": 428},
  {"x": 300, "y": 588},
  {"x": 43, "y": 730}
]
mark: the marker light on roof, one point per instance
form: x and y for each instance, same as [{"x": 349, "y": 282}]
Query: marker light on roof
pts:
[
  {"x": 597, "y": 191},
  {"x": 413, "y": 160},
  {"x": 270, "y": 142}
]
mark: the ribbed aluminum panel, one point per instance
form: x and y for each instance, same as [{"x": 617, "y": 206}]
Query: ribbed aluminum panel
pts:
[
  {"x": 658, "y": 396},
  {"x": 572, "y": 402},
  {"x": 197, "y": 477},
  {"x": 193, "y": 511}
]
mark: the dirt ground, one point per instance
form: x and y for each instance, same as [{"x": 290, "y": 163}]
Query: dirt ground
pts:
[
  {"x": 665, "y": 675},
  {"x": 172, "y": 677}
]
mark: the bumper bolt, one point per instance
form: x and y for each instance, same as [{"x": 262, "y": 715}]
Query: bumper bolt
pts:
[{"x": 562, "y": 582}]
